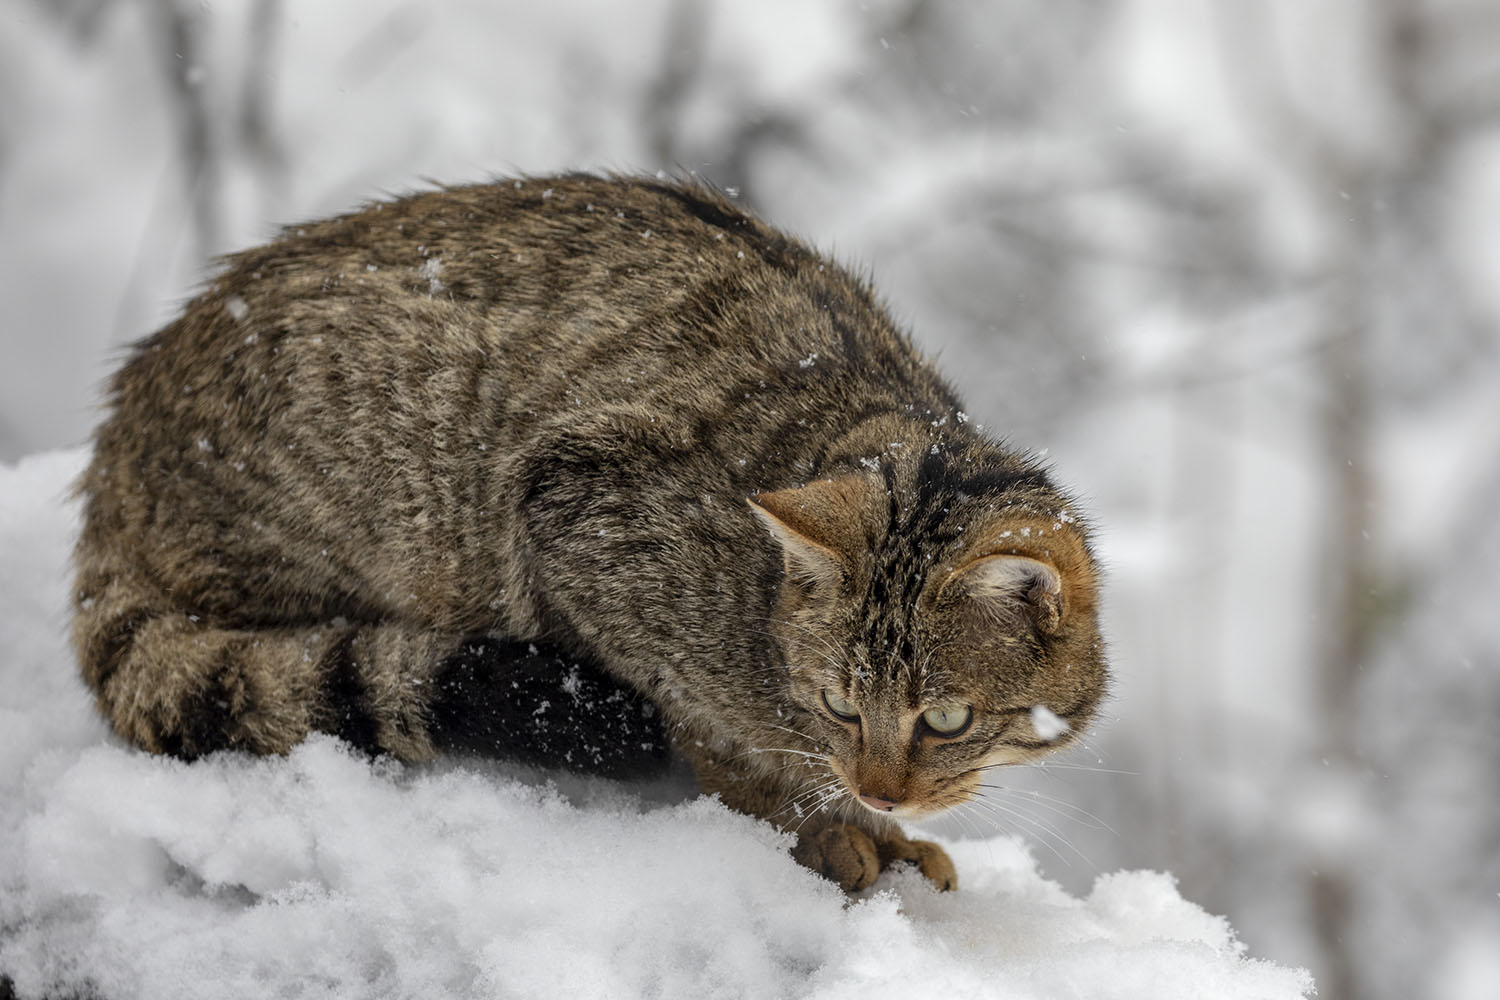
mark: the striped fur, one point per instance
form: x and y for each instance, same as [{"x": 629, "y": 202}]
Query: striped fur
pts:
[{"x": 391, "y": 462}]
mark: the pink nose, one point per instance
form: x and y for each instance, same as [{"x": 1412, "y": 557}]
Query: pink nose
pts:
[{"x": 877, "y": 803}]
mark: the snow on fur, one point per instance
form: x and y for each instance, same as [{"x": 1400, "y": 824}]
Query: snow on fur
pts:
[{"x": 322, "y": 874}]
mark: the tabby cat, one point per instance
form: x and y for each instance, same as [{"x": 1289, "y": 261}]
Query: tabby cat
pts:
[{"x": 424, "y": 473}]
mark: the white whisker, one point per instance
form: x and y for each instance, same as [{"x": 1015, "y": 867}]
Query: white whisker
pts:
[
  {"x": 1060, "y": 807},
  {"x": 1045, "y": 830}
]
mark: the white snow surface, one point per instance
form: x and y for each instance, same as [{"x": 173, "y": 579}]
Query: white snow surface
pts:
[{"x": 323, "y": 874}]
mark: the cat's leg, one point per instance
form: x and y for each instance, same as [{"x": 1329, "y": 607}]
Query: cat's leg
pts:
[
  {"x": 929, "y": 858},
  {"x": 853, "y": 856},
  {"x": 507, "y": 698},
  {"x": 842, "y": 853}
]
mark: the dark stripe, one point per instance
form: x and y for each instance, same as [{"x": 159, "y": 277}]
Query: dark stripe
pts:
[
  {"x": 770, "y": 245},
  {"x": 946, "y": 472},
  {"x": 112, "y": 644},
  {"x": 699, "y": 205},
  {"x": 346, "y": 697},
  {"x": 205, "y": 718},
  {"x": 856, "y": 353}
]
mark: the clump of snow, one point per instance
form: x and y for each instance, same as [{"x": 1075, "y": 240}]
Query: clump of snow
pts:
[
  {"x": 325, "y": 874},
  {"x": 1047, "y": 724},
  {"x": 430, "y": 271}
]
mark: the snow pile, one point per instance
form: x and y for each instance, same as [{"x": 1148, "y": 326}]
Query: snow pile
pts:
[{"x": 323, "y": 874}]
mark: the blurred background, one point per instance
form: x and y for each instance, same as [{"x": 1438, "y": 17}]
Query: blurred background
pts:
[{"x": 1233, "y": 267}]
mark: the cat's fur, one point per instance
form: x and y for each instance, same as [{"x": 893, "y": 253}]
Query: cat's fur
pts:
[{"x": 381, "y": 457}]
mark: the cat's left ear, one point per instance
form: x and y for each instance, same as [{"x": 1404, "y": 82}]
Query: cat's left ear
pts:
[
  {"x": 1005, "y": 584},
  {"x": 821, "y": 527}
]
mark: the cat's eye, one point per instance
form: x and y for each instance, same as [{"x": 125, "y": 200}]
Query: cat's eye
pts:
[
  {"x": 948, "y": 720},
  {"x": 840, "y": 706}
]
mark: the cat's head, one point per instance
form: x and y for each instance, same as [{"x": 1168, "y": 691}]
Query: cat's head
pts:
[{"x": 931, "y": 635}]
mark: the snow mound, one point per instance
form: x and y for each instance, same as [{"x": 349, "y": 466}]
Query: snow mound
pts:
[{"x": 323, "y": 874}]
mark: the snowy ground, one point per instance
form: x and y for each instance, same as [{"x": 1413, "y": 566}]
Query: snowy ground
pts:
[{"x": 324, "y": 875}]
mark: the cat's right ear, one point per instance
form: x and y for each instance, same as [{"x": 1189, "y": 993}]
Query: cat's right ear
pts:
[
  {"x": 818, "y": 527},
  {"x": 1005, "y": 584}
]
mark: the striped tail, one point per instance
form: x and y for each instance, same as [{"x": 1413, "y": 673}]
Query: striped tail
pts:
[{"x": 174, "y": 684}]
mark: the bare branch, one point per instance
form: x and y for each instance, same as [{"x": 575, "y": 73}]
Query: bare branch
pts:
[
  {"x": 668, "y": 94},
  {"x": 181, "y": 31}
]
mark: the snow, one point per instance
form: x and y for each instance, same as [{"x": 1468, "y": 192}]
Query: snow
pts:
[
  {"x": 1046, "y": 723},
  {"x": 324, "y": 874}
]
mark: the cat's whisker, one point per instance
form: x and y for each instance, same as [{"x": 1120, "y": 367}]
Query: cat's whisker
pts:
[
  {"x": 827, "y": 795},
  {"x": 805, "y": 764},
  {"x": 1037, "y": 822},
  {"x": 817, "y": 807},
  {"x": 815, "y": 741},
  {"x": 997, "y": 808},
  {"x": 818, "y": 792},
  {"x": 1061, "y": 807},
  {"x": 962, "y": 813},
  {"x": 789, "y": 750},
  {"x": 972, "y": 811},
  {"x": 800, "y": 759},
  {"x": 1047, "y": 765},
  {"x": 1040, "y": 833},
  {"x": 1046, "y": 831},
  {"x": 1082, "y": 743},
  {"x": 795, "y": 805}
]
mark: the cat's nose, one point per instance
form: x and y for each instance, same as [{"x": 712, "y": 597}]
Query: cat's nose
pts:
[{"x": 877, "y": 803}]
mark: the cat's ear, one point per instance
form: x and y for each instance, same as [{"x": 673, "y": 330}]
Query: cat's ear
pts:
[
  {"x": 819, "y": 527},
  {"x": 1005, "y": 584}
]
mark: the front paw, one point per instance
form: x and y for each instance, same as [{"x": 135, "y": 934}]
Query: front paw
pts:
[
  {"x": 934, "y": 862},
  {"x": 930, "y": 859},
  {"x": 844, "y": 854}
]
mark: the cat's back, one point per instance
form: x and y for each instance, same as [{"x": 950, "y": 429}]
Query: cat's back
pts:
[
  {"x": 535, "y": 296},
  {"x": 363, "y": 390}
]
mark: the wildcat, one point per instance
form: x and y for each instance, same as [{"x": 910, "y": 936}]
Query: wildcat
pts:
[{"x": 397, "y": 474}]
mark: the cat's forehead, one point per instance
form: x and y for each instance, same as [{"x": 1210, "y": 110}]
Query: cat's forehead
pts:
[{"x": 896, "y": 653}]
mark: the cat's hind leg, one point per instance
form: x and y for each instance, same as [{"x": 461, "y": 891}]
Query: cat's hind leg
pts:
[
  {"x": 180, "y": 683},
  {"x": 498, "y": 697}
]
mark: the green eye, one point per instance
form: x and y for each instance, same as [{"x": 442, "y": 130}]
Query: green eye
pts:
[
  {"x": 839, "y": 706},
  {"x": 949, "y": 720}
]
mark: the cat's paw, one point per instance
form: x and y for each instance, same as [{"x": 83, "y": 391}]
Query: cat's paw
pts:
[
  {"x": 934, "y": 862},
  {"x": 930, "y": 859},
  {"x": 844, "y": 854}
]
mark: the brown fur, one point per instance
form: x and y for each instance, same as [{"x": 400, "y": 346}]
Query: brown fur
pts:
[{"x": 536, "y": 410}]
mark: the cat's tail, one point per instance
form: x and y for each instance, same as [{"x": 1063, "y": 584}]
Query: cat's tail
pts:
[{"x": 172, "y": 683}]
